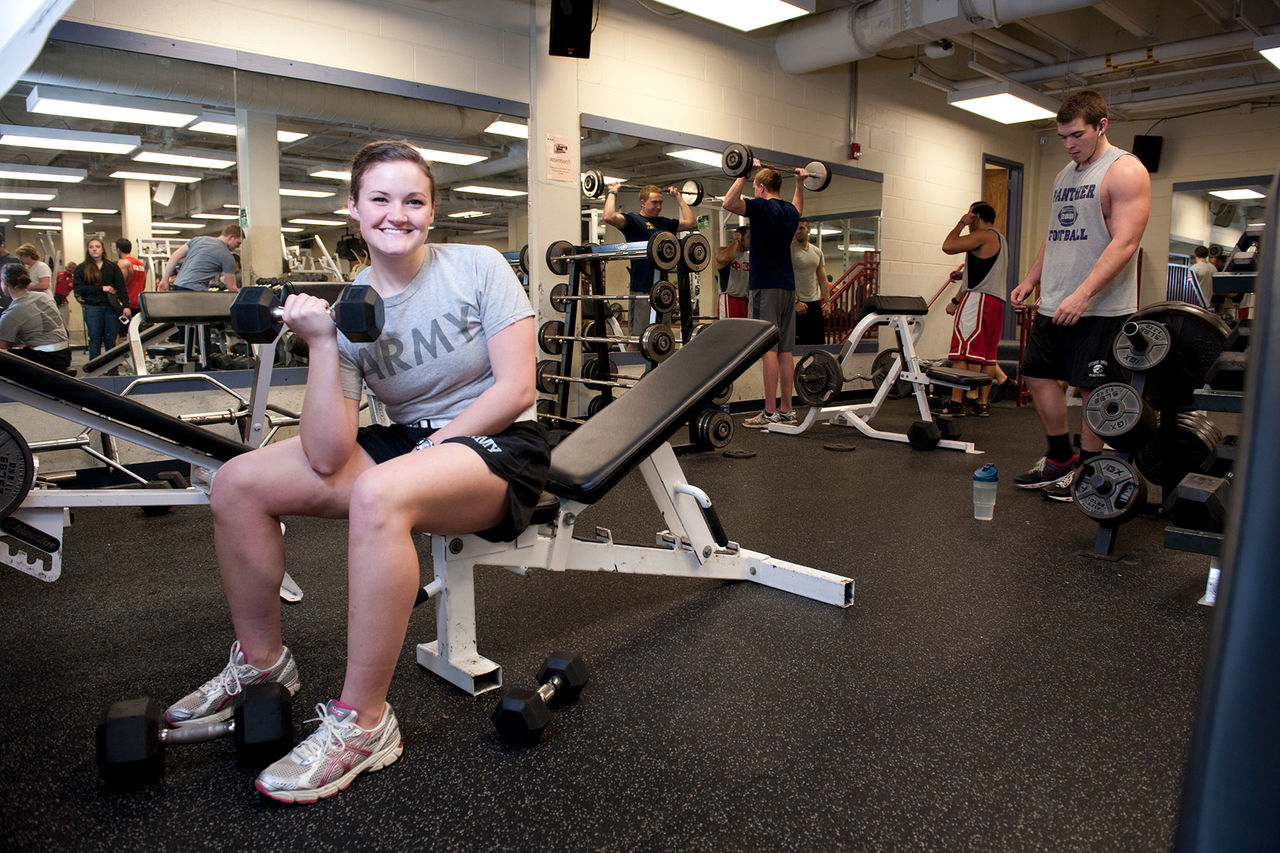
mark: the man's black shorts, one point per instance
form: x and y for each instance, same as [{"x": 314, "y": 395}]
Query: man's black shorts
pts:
[
  {"x": 520, "y": 455},
  {"x": 1079, "y": 354}
]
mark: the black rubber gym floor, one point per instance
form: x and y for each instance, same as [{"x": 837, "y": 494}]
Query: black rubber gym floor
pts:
[{"x": 990, "y": 689}]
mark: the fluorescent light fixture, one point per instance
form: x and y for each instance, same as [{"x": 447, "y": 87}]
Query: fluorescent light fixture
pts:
[
  {"x": 193, "y": 159},
  {"x": 342, "y": 211},
  {"x": 53, "y": 220},
  {"x": 1004, "y": 101},
  {"x": 291, "y": 230},
  {"x": 224, "y": 124},
  {"x": 38, "y": 227},
  {"x": 825, "y": 232},
  {"x": 744, "y": 15},
  {"x": 320, "y": 222},
  {"x": 57, "y": 139},
  {"x": 1255, "y": 225},
  {"x": 298, "y": 192},
  {"x": 231, "y": 217},
  {"x": 468, "y": 214},
  {"x": 1237, "y": 195},
  {"x": 695, "y": 155},
  {"x": 232, "y": 206},
  {"x": 23, "y": 172},
  {"x": 106, "y": 211},
  {"x": 127, "y": 175},
  {"x": 1269, "y": 47},
  {"x": 33, "y": 194},
  {"x": 498, "y": 191},
  {"x": 4, "y": 219},
  {"x": 14, "y": 212},
  {"x": 332, "y": 174},
  {"x": 457, "y": 158},
  {"x": 103, "y": 106},
  {"x": 843, "y": 248},
  {"x": 183, "y": 225},
  {"x": 508, "y": 128},
  {"x": 483, "y": 231},
  {"x": 163, "y": 232}
]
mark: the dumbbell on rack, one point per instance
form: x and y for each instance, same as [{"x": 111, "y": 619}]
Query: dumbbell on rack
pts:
[
  {"x": 737, "y": 161},
  {"x": 662, "y": 297},
  {"x": 593, "y": 186},
  {"x": 257, "y": 315},
  {"x": 695, "y": 251},
  {"x": 522, "y": 714},
  {"x": 656, "y": 341},
  {"x": 662, "y": 249},
  {"x": 547, "y": 379},
  {"x": 131, "y": 737}
]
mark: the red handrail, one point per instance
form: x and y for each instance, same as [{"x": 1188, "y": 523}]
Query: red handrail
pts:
[{"x": 860, "y": 281}]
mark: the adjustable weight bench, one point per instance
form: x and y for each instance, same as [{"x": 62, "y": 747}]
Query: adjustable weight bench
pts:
[
  {"x": 904, "y": 315},
  {"x": 630, "y": 433}
]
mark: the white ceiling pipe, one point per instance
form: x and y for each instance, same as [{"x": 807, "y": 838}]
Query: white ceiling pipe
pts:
[
  {"x": 1035, "y": 54},
  {"x": 1161, "y": 106},
  {"x": 1112, "y": 62},
  {"x": 866, "y": 28}
]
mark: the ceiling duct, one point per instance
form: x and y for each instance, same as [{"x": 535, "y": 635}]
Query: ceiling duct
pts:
[
  {"x": 866, "y": 28},
  {"x": 124, "y": 73}
]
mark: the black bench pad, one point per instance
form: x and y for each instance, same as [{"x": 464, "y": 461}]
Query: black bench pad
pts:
[
  {"x": 881, "y": 304},
  {"x": 595, "y": 456},
  {"x": 42, "y": 380},
  {"x": 186, "y": 306},
  {"x": 962, "y": 378}
]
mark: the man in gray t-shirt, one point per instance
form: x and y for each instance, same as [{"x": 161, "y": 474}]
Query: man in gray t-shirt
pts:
[
  {"x": 203, "y": 259},
  {"x": 1204, "y": 272}
]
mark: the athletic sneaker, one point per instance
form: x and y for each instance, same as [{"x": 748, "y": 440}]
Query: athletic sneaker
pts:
[
  {"x": 788, "y": 418},
  {"x": 981, "y": 410},
  {"x": 762, "y": 420},
  {"x": 954, "y": 409},
  {"x": 214, "y": 700},
  {"x": 336, "y": 753},
  {"x": 1060, "y": 490},
  {"x": 1045, "y": 472}
]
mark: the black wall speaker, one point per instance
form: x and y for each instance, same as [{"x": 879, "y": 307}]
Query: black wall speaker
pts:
[
  {"x": 1147, "y": 149},
  {"x": 571, "y": 28}
]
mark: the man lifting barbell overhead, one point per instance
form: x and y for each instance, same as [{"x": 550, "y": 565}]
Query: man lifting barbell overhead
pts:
[
  {"x": 453, "y": 362},
  {"x": 771, "y": 281},
  {"x": 1087, "y": 272},
  {"x": 640, "y": 226}
]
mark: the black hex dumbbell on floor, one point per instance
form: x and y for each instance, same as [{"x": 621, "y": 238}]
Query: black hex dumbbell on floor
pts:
[
  {"x": 132, "y": 736},
  {"x": 256, "y": 314},
  {"x": 522, "y": 714}
]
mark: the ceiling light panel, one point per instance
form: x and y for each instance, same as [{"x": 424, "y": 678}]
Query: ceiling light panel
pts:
[
  {"x": 503, "y": 127},
  {"x": 187, "y": 157},
  {"x": 129, "y": 175},
  {"x": 501, "y": 192},
  {"x": 744, "y": 15},
  {"x": 31, "y": 194},
  {"x": 106, "y": 211},
  {"x": 104, "y": 106},
  {"x": 57, "y": 139},
  {"x": 24, "y": 172}
]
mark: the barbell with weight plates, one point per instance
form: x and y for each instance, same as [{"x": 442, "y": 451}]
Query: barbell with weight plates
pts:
[
  {"x": 1108, "y": 489},
  {"x": 737, "y": 161},
  {"x": 1119, "y": 416},
  {"x": 695, "y": 252},
  {"x": 818, "y": 377},
  {"x": 662, "y": 249},
  {"x": 593, "y": 186},
  {"x": 656, "y": 341},
  {"x": 1178, "y": 449},
  {"x": 711, "y": 429},
  {"x": 257, "y": 315},
  {"x": 662, "y": 297}
]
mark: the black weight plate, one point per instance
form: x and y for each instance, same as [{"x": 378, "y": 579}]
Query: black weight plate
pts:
[
  {"x": 557, "y": 297},
  {"x": 596, "y": 368},
  {"x": 736, "y": 160},
  {"x": 663, "y": 297},
  {"x": 1117, "y": 413},
  {"x": 723, "y": 396},
  {"x": 17, "y": 469},
  {"x": 1177, "y": 450},
  {"x": 555, "y": 257},
  {"x": 524, "y": 259},
  {"x": 592, "y": 183},
  {"x": 549, "y": 334},
  {"x": 1198, "y": 338},
  {"x": 739, "y": 454},
  {"x": 597, "y": 403},
  {"x": 657, "y": 342},
  {"x": 542, "y": 379},
  {"x": 817, "y": 377},
  {"x": 1108, "y": 489},
  {"x": 880, "y": 368},
  {"x": 839, "y": 447},
  {"x": 695, "y": 252}
]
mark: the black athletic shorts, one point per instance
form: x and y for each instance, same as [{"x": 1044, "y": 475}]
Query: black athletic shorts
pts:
[
  {"x": 520, "y": 455},
  {"x": 1079, "y": 354}
]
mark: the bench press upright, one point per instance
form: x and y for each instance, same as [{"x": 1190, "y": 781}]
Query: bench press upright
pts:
[
  {"x": 630, "y": 433},
  {"x": 904, "y": 315}
]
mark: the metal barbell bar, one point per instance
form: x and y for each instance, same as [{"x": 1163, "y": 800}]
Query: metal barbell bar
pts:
[
  {"x": 737, "y": 161},
  {"x": 656, "y": 341},
  {"x": 593, "y": 186},
  {"x": 662, "y": 250}
]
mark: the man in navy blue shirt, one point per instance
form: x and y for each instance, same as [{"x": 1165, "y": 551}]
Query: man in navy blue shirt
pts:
[
  {"x": 772, "y": 285},
  {"x": 638, "y": 227}
]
